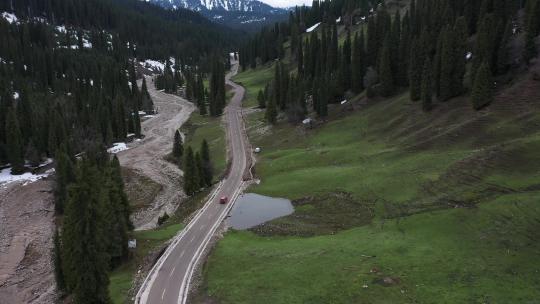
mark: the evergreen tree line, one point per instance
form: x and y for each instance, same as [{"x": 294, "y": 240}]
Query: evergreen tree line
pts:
[
  {"x": 195, "y": 90},
  {"x": 96, "y": 225},
  {"x": 170, "y": 79},
  {"x": 210, "y": 101},
  {"x": 216, "y": 97},
  {"x": 153, "y": 32},
  {"x": 51, "y": 94},
  {"x": 426, "y": 50},
  {"x": 267, "y": 45},
  {"x": 197, "y": 166}
]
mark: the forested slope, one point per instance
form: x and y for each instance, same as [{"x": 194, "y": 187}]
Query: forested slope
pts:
[
  {"x": 68, "y": 90},
  {"x": 67, "y": 69}
]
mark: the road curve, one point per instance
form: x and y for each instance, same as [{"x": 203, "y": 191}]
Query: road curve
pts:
[{"x": 168, "y": 281}]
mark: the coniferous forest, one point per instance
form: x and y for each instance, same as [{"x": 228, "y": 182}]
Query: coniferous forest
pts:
[
  {"x": 426, "y": 48},
  {"x": 56, "y": 76},
  {"x": 68, "y": 90}
]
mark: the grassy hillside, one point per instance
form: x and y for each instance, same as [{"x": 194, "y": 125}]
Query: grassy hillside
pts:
[
  {"x": 199, "y": 128},
  {"x": 394, "y": 205},
  {"x": 254, "y": 81}
]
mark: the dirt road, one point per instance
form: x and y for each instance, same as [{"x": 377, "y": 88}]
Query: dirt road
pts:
[
  {"x": 26, "y": 242},
  {"x": 146, "y": 157},
  {"x": 169, "y": 280}
]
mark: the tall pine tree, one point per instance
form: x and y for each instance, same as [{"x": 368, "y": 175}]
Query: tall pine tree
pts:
[
  {"x": 14, "y": 142},
  {"x": 427, "y": 89},
  {"x": 482, "y": 92}
]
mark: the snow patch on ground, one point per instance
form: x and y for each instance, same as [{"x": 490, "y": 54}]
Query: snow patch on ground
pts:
[
  {"x": 61, "y": 29},
  {"x": 6, "y": 177},
  {"x": 87, "y": 44},
  {"x": 10, "y": 17},
  {"x": 117, "y": 148},
  {"x": 254, "y": 20},
  {"x": 311, "y": 29}
]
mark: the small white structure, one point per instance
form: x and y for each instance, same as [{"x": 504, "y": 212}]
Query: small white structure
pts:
[
  {"x": 257, "y": 150},
  {"x": 307, "y": 121},
  {"x": 344, "y": 101},
  {"x": 132, "y": 244},
  {"x": 468, "y": 56}
]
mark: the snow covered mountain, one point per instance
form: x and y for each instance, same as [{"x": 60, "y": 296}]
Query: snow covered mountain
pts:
[
  {"x": 219, "y": 5},
  {"x": 235, "y": 13}
]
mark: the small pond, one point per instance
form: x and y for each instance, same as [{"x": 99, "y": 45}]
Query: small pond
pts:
[{"x": 252, "y": 209}]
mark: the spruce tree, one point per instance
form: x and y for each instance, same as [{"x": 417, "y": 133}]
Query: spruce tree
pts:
[
  {"x": 448, "y": 59},
  {"x": 14, "y": 143},
  {"x": 358, "y": 64},
  {"x": 333, "y": 49},
  {"x": 531, "y": 31},
  {"x": 427, "y": 90},
  {"x": 461, "y": 35},
  {"x": 385, "y": 71},
  {"x": 346, "y": 64},
  {"x": 402, "y": 78},
  {"x": 199, "y": 172},
  {"x": 436, "y": 73},
  {"x": 57, "y": 262},
  {"x": 137, "y": 123},
  {"x": 208, "y": 167},
  {"x": 125, "y": 206},
  {"x": 147, "y": 103},
  {"x": 84, "y": 256},
  {"x": 178, "y": 145},
  {"x": 261, "y": 99},
  {"x": 372, "y": 44},
  {"x": 64, "y": 176},
  {"x": 415, "y": 71},
  {"x": 323, "y": 101},
  {"x": 482, "y": 92},
  {"x": 485, "y": 45},
  {"x": 300, "y": 58},
  {"x": 115, "y": 210},
  {"x": 190, "y": 173},
  {"x": 271, "y": 110},
  {"x": 503, "y": 54}
]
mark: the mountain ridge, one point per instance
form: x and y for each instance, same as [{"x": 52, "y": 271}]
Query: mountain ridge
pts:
[{"x": 244, "y": 14}]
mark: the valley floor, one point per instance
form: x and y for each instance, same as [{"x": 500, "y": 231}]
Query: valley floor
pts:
[{"x": 393, "y": 205}]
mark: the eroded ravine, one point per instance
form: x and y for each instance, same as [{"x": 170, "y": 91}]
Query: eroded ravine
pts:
[{"x": 147, "y": 157}]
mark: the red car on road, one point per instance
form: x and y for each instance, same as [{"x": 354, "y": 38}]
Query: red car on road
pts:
[{"x": 223, "y": 200}]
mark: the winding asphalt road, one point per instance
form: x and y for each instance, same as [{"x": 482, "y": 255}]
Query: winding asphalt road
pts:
[{"x": 169, "y": 280}]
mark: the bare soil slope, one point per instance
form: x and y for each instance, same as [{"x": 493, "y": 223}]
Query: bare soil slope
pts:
[{"x": 26, "y": 242}]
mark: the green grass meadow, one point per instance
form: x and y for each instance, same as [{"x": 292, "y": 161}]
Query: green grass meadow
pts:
[
  {"x": 199, "y": 128},
  {"x": 254, "y": 81},
  {"x": 393, "y": 205}
]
